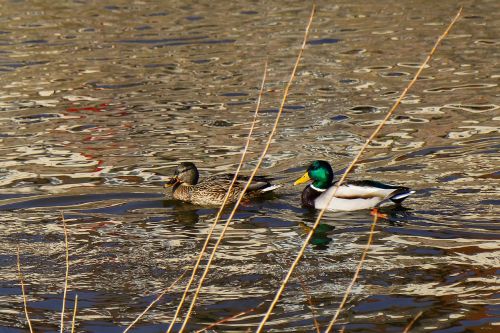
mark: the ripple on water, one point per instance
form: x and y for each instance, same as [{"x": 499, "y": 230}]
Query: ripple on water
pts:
[{"x": 98, "y": 108}]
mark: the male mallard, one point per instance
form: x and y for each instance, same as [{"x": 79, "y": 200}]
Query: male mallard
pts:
[
  {"x": 350, "y": 196},
  {"x": 211, "y": 191}
]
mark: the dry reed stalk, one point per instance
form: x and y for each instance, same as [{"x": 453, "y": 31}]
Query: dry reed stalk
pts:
[
  {"x": 229, "y": 318},
  {"x": 219, "y": 213},
  {"x": 67, "y": 272},
  {"x": 259, "y": 162},
  {"x": 356, "y": 273},
  {"x": 25, "y": 301},
  {"x": 310, "y": 303},
  {"x": 349, "y": 168},
  {"x": 74, "y": 315},
  {"x": 410, "y": 324},
  {"x": 155, "y": 301}
]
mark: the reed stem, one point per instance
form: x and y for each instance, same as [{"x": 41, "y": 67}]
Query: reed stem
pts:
[
  {"x": 349, "y": 168},
  {"x": 25, "y": 301},
  {"x": 219, "y": 213},
  {"x": 259, "y": 162},
  {"x": 67, "y": 273}
]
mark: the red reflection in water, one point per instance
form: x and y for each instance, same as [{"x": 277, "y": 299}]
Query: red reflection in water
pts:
[
  {"x": 99, "y": 108},
  {"x": 98, "y": 166}
]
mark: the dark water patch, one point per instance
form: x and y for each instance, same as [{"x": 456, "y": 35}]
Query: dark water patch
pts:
[
  {"x": 362, "y": 109},
  {"x": 492, "y": 202},
  {"x": 452, "y": 177},
  {"x": 441, "y": 234},
  {"x": 157, "y": 14},
  {"x": 462, "y": 87},
  {"x": 237, "y": 103},
  {"x": 492, "y": 175},
  {"x": 349, "y": 81},
  {"x": 386, "y": 302},
  {"x": 116, "y": 86},
  {"x": 143, "y": 27},
  {"x": 270, "y": 222},
  {"x": 5, "y": 196},
  {"x": 36, "y": 41},
  {"x": 294, "y": 107},
  {"x": 234, "y": 94},
  {"x": 339, "y": 118},
  {"x": 394, "y": 74},
  {"x": 24, "y": 64},
  {"x": 162, "y": 40},
  {"x": 467, "y": 190},
  {"x": 426, "y": 252},
  {"x": 194, "y": 18},
  {"x": 37, "y": 118},
  {"x": 201, "y": 61},
  {"x": 401, "y": 167},
  {"x": 74, "y": 200},
  {"x": 323, "y": 41},
  {"x": 166, "y": 66},
  {"x": 123, "y": 208},
  {"x": 426, "y": 152},
  {"x": 410, "y": 64}
]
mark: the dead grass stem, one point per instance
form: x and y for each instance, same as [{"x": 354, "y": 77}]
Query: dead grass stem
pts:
[
  {"x": 310, "y": 303},
  {"x": 259, "y": 162},
  {"x": 155, "y": 301},
  {"x": 349, "y": 168},
  {"x": 410, "y": 324},
  {"x": 25, "y": 301},
  {"x": 67, "y": 272},
  {"x": 356, "y": 273},
  {"x": 242, "y": 313},
  {"x": 74, "y": 315}
]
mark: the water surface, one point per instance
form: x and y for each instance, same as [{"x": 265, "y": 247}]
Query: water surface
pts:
[{"x": 100, "y": 100}]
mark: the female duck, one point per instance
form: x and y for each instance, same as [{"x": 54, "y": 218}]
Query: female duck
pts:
[
  {"x": 211, "y": 191},
  {"x": 350, "y": 196}
]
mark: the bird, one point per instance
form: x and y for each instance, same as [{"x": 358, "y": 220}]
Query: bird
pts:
[
  {"x": 211, "y": 191},
  {"x": 349, "y": 196}
]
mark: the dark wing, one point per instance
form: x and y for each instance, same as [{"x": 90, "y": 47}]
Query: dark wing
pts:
[{"x": 258, "y": 182}]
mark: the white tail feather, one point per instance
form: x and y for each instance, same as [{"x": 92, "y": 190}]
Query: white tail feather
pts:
[{"x": 270, "y": 188}]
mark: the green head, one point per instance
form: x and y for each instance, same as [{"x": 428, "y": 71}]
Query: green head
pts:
[{"x": 320, "y": 172}]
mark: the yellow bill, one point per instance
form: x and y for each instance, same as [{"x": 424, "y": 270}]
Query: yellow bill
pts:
[{"x": 303, "y": 179}]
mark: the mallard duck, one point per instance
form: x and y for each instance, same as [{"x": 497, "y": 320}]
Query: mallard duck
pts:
[
  {"x": 212, "y": 190},
  {"x": 353, "y": 195}
]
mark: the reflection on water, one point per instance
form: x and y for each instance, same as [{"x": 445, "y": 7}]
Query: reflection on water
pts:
[{"x": 100, "y": 102}]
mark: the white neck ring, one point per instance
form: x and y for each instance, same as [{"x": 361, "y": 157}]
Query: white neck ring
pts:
[{"x": 317, "y": 189}]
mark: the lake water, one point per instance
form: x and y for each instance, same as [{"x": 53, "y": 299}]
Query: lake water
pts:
[{"x": 100, "y": 100}]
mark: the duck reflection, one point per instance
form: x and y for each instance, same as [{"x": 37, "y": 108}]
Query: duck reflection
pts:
[
  {"x": 396, "y": 216},
  {"x": 183, "y": 213}
]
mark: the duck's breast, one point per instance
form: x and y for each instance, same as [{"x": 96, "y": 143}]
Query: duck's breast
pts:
[{"x": 351, "y": 197}]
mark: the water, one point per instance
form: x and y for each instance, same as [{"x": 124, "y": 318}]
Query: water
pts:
[{"x": 100, "y": 101}]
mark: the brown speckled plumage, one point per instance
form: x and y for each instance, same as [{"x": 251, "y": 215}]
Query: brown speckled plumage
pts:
[{"x": 211, "y": 191}]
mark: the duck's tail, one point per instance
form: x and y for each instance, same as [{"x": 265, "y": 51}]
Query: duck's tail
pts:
[
  {"x": 271, "y": 187},
  {"x": 400, "y": 194}
]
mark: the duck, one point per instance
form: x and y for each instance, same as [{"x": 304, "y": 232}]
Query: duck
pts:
[
  {"x": 211, "y": 191},
  {"x": 350, "y": 196}
]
